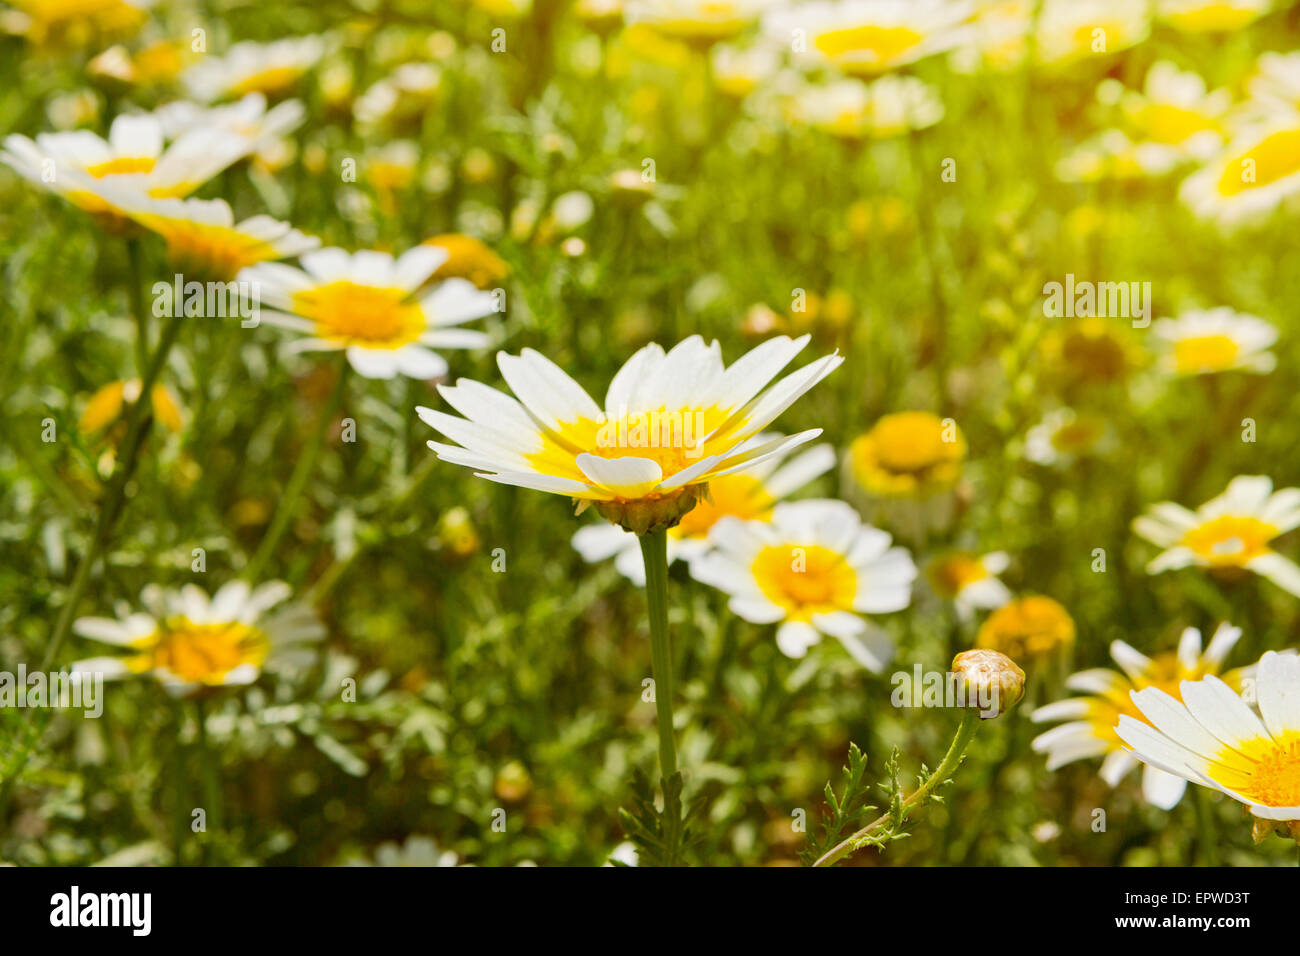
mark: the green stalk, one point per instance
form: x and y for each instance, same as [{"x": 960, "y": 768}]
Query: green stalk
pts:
[
  {"x": 970, "y": 721},
  {"x": 654, "y": 552},
  {"x": 297, "y": 481},
  {"x": 139, "y": 419},
  {"x": 135, "y": 295},
  {"x": 211, "y": 780}
]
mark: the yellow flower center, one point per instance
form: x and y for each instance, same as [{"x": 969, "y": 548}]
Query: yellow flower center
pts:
[
  {"x": 369, "y": 316},
  {"x": 274, "y": 79},
  {"x": 202, "y": 653},
  {"x": 1229, "y": 540},
  {"x": 951, "y": 575},
  {"x": 884, "y": 44},
  {"x": 1212, "y": 17},
  {"x": 1166, "y": 123},
  {"x": 1275, "y": 158},
  {"x": 1205, "y": 353},
  {"x": 212, "y": 250},
  {"x": 805, "y": 579},
  {"x": 1027, "y": 628},
  {"x": 1270, "y": 773},
  {"x": 739, "y": 495},
  {"x": 122, "y": 166}
]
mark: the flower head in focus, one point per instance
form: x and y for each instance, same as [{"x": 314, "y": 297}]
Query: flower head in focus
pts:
[
  {"x": 672, "y": 422},
  {"x": 1211, "y": 736},
  {"x": 990, "y": 680},
  {"x": 815, "y": 569}
]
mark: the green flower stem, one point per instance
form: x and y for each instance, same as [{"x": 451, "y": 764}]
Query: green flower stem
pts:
[
  {"x": 970, "y": 721},
  {"x": 135, "y": 295},
  {"x": 211, "y": 778},
  {"x": 654, "y": 552},
  {"x": 297, "y": 481},
  {"x": 139, "y": 419}
]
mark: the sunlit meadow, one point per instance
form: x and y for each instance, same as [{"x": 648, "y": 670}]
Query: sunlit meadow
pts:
[{"x": 503, "y": 433}]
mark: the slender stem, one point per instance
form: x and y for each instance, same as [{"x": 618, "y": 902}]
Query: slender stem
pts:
[
  {"x": 970, "y": 721},
  {"x": 135, "y": 295},
  {"x": 298, "y": 480},
  {"x": 211, "y": 780},
  {"x": 139, "y": 420},
  {"x": 654, "y": 552}
]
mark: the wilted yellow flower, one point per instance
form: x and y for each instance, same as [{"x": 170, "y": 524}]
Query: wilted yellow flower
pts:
[
  {"x": 106, "y": 405},
  {"x": 908, "y": 453},
  {"x": 1091, "y": 351},
  {"x": 1027, "y": 628}
]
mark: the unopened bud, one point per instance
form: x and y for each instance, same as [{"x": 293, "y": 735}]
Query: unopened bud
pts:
[{"x": 993, "y": 682}]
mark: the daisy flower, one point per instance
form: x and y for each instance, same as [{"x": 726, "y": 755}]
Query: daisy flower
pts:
[
  {"x": 1215, "y": 340},
  {"x": 698, "y": 22},
  {"x": 908, "y": 454},
  {"x": 867, "y": 37},
  {"x": 672, "y": 422},
  {"x": 1213, "y": 738},
  {"x": 737, "y": 71},
  {"x": 87, "y": 170},
  {"x": 1211, "y": 16},
  {"x": 1229, "y": 533},
  {"x": 1257, "y": 173},
  {"x": 247, "y": 67},
  {"x": 815, "y": 569},
  {"x": 1073, "y": 30},
  {"x": 1064, "y": 436},
  {"x": 1275, "y": 87},
  {"x": 1091, "y": 351},
  {"x": 202, "y": 236},
  {"x": 996, "y": 37},
  {"x": 969, "y": 580},
  {"x": 1173, "y": 119},
  {"x": 1027, "y": 628},
  {"x": 747, "y": 494},
  {"x": 1089, "y": 728},
  {"x": 469, "y": 258},
  {"x": 248, "y": 118},
  {"x": 853, "y": 110},
  {"x": 190, "y": 642},
  {"x": 366, "y": 303}
]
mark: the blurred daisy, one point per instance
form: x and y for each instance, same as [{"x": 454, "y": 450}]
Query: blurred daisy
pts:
[
  {"x": 1210, "y": 736},
  {"x": 1173, "y": 119},
  {"x": 815, "y": 569},
  {"x": 1090, "y": 351},
  {"x": 1112, "y": 155},
  {"x": 405, "y": 93},
  {"x": 737, "y": 71},
  {"x": 1205, "y": 16},
  {"x": 248, "y": 67},
  {"x": 747, "y": 494},
  {"x": 469, "y": 258},
  {"x": 1089, "y": 730},
  {"x": 996, "y": 37},
  {"x": 672, "y": 423},
  {"x": 1215, "y": 340},
  {"x": 74, "y": 23},
  {"x": 191, "y": 642},
  {"x": 1073, "y": 30},
  {"x": 1258, "y": 172},
  {"x": 366, "y": 303},
  {"x": 248, "y": 118},
  {"x": 1027, "y": 628},
  {"x": 697, "y": 22},
  {"x": 1229, "y": 533},
  {"x": 969, "y": 580},
  {"x": 908, "y": 453},
  {"x": 1275, "y": 87},
  {"x": 203, "y": 239},
  {"x": 87, "y": 170},
  {"x": 853, "y": 110},
  {"x": 1064, "y": 436},
  {"x": 867, "y": 37},
  {"x": 416, "y": 851},
  {"x": 106, "y": 405}
]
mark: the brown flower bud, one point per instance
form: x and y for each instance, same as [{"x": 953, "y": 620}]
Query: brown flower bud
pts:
[{"x": 992, "y": 681}]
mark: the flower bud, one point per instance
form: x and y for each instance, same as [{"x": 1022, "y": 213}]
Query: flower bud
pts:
[{"x": 992, "y": 681}]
